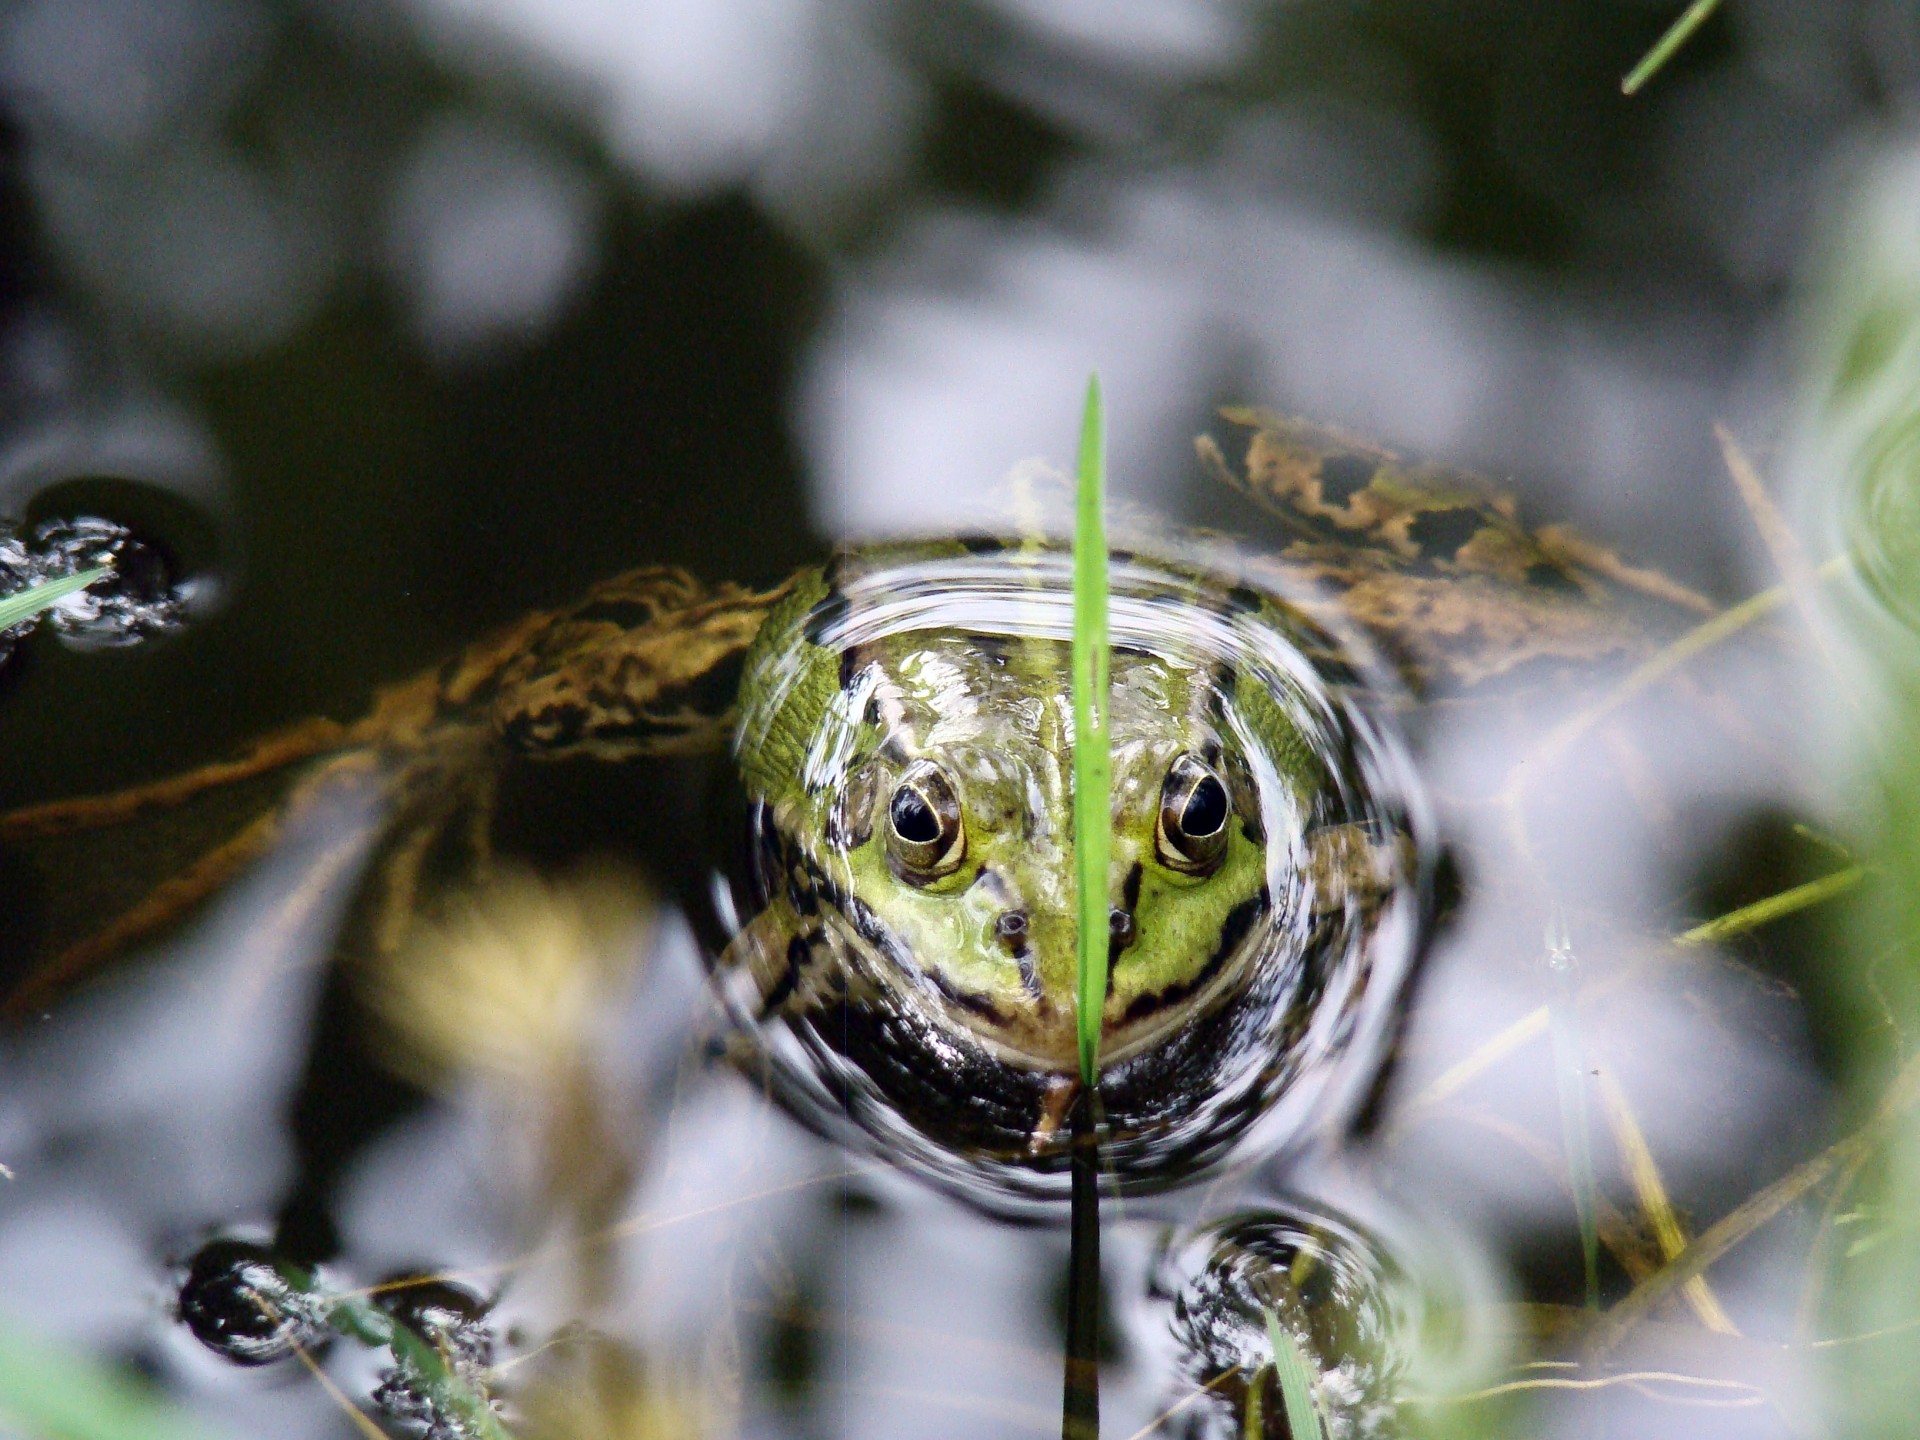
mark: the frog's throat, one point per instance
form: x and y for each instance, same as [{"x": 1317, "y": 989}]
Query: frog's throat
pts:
[{"x": 813, "y": 945}]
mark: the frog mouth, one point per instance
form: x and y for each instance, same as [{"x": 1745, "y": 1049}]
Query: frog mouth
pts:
[
  {"x": 1041, "y": 1035},
  {"x": 839, "y": 932}
]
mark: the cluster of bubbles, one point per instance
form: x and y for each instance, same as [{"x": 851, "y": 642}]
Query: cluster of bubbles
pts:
[
  {"x": 1328, "y": 1283},
  {"x": 254, "y": 1307},
  {"x": 138, "y": 597}
]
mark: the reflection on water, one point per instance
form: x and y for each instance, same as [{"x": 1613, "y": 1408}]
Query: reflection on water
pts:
[{"x": 470, "y": 304}]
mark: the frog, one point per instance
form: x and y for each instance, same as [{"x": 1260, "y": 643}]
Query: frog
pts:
[{"x": 898, "y": 946}]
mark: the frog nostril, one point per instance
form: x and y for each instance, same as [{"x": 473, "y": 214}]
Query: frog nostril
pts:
[
  {"x": 1011, "y": 929},
  {"x": 1119, "y": 929}
]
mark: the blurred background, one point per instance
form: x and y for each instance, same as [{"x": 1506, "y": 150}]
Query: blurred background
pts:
[
  {"x": 423, "y": 312},
  {"x": 393, "y": 319}
]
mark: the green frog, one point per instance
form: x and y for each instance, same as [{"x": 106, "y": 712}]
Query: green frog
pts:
[
  {"x": 898, "y": 944},
  {"x": 903, "y": 745}
]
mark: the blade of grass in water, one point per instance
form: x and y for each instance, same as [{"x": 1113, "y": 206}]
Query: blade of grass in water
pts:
[
  {"x": 1571, "y": 1079},
  {"x": 30, "y": 602},
  {"x": 1677, "y": 35},
  {"x": 1091, "y": 778},
  {"x": 1295, "y": 1377}
]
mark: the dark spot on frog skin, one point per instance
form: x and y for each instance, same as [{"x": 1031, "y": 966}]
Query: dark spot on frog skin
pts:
[
  {"x": 783, "y": 988},
  {"x": 1439, "y": 534},
  {"x": 980, "y": 1005},
  {"x": 1130, "y": 888},
  {"x": 800, "y": 892},
  {"x": 1344, "y": 476},
  {"x": 1244, "y": 600}
]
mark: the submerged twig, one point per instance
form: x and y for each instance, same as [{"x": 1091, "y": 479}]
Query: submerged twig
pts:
[
  {"x": 1643, "y": 1173},
  {"x": 1756, "y": 1210},
  {"x": 1534, "y": 1023}
]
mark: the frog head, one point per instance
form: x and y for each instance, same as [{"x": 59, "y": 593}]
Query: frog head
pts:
[{"x": 913, "y": 818}]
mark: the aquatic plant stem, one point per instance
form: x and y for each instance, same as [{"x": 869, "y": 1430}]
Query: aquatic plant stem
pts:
[
  {"x": 1092, "y": 778},
  {"x": 1663, "y": 49},
  {"x": 1080, "y": 1407}
]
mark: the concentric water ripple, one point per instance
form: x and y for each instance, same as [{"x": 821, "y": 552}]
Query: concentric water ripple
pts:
[{"x": 870, "y": 993}]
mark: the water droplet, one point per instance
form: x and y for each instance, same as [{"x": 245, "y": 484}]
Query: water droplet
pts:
[{"x": 140, "y": 596}]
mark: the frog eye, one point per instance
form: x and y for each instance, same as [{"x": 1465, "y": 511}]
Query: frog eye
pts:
[
  {"x": 924, "y": 834},
  {"x": 1194, "y": 810}
]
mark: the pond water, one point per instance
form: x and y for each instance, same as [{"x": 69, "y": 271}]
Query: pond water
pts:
[{"x": 453, "y": 1044}]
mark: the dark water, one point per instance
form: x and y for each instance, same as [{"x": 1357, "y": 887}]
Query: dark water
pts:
[{"x": 386, "y": 322}]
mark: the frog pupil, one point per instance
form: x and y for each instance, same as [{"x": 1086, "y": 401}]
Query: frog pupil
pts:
[
  {"x": 1206, "y": 809},
  {"x": 913, "y": 818}
]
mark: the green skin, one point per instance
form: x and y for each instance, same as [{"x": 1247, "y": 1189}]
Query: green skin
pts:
[{"x": 995, "y": 717}]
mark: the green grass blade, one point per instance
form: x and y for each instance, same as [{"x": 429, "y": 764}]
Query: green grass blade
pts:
[
  {"x": 25, "y": 604},
  {"x": 1092, "y": 820},
  {"x": 1295, "y": 1376},
  {"x": 1570, "y": 1075},
  {"x": 1677, "y": 35},
  {"x": 1763, "y": 912}
]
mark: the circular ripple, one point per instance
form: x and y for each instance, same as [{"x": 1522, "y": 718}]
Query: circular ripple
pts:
[
  {"x": 878, "y": 988},
  {"x": 1365, "y": 1320}
]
